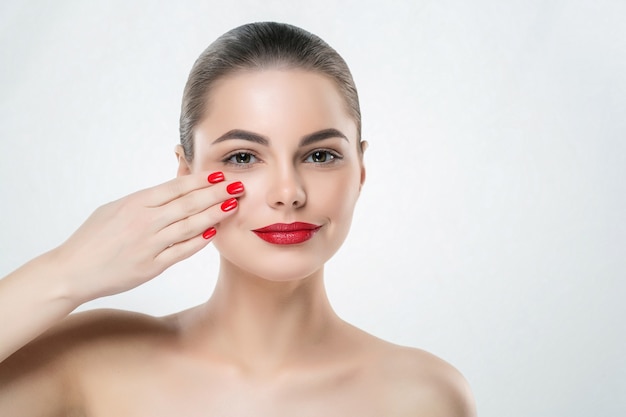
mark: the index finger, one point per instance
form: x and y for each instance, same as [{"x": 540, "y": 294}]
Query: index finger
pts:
[{"x": 171, "y": 190}]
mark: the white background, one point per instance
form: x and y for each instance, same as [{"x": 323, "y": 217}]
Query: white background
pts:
[{"x": 491, "y": 227}]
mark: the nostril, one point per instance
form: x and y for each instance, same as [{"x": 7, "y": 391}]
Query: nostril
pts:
[{"x": 287, "y": 192}]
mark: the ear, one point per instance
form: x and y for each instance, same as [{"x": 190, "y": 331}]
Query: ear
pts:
[
  {"x": 183, "y": 166},
  {"x": 364, "y": 145}
]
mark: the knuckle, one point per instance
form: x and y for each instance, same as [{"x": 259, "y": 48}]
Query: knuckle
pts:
[
  {"x": 175, "y": 188},
  {"x": 185, "y": 228},
  {"x": 214, "y": 215},
  {"x": 193, "y": 203}
]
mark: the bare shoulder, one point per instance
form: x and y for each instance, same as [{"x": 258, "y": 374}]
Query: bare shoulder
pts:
[
  {"x": 422, "y": 384},
  {"x": 410, "y": 381},
  {"x": 87, "y": 334},
  {"x": 50, "y": 366},
  {"x": 99, "y": 330},
  {"x": 110, "y": 325}
]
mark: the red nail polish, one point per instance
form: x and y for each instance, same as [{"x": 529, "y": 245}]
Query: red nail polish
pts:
[
  {"x": 235, "y": 188},
  {"x": 216, "y": 177},
  {"x": 209, "y": 233},
  {"x": 229, "y": 204}
]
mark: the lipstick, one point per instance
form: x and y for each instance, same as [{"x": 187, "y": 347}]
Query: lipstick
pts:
[{"x": 287, "y": 234}]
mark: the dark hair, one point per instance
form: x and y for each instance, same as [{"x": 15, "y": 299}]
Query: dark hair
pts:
[{"x": 260, "y": 46}]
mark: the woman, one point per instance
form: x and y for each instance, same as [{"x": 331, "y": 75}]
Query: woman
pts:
[{"x": 269, "y": 169}]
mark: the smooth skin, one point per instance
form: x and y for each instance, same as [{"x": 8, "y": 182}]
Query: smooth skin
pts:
[{"x": 267, "y": 342}]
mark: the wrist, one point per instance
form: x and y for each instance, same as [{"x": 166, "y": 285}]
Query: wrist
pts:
[{"x": 62, "y": 278}]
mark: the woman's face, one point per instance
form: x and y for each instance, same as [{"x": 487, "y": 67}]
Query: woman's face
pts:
[{"x": 287, "y": 135}]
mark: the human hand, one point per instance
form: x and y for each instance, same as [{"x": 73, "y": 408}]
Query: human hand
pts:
[{"x": 127, "y": 242}]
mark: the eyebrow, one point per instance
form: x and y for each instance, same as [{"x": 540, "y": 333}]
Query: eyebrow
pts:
[{"x": 263, "y": 140}]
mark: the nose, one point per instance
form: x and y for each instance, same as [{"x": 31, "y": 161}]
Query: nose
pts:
[{"x": 286, "y": 189}]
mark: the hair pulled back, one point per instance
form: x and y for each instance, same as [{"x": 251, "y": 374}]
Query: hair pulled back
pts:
[{"x": 259, "y": 46}]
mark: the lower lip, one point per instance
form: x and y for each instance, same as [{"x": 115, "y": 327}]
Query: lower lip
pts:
[{"x": 287, "y": 238}]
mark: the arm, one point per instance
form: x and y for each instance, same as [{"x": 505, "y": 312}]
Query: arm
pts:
[
  {"x": 32, "y": 299},
  {"x": 120, "y": 246}
]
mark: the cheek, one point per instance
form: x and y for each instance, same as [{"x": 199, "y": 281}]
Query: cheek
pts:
[
  {"x": 334, "y": 194},
  {"x": 254, "y": 199},
  {"x": 252, "y": 211},
  {"x": 330, "y": 195}
]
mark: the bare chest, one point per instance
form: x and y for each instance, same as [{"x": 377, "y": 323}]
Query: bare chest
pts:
[{"x": 203, "y": 392}]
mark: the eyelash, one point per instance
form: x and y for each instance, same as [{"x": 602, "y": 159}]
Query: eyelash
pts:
[
  {"x": 227, "y": 159},
  {"x": 334, "y": 157}
]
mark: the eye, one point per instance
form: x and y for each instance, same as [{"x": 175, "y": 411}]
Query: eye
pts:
[
  {"x": 321, "y": 157},
  {"x": 241, "y": 158}
]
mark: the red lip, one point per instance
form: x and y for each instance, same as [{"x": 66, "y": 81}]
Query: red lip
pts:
[{"x": 287, "y": 234}]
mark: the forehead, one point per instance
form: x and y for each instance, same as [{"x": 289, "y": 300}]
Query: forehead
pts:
[{"x": 275, "y": 103}]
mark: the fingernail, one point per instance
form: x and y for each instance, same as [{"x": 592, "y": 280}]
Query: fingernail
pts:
[
  {"x": 235, "y": 188},
  {"x": 209, "y": 233},
  {"x": 216, "y": 177},
  {"x": 229, "y": 204}
]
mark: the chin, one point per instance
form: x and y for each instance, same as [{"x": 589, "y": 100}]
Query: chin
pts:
[
  {"x": 290, "y": 275},
  {"x": 280, "y": 267},
  {"x": 247, "y": 254},
  {"x": 278, "y": 263}
]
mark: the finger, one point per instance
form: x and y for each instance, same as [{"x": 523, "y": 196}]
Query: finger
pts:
[
  {"x": 171, "y": 190},
  {"x": 195, "y": 225},
  {"x": 195, "y": 202},
  {"x": 180, "y": 251}
]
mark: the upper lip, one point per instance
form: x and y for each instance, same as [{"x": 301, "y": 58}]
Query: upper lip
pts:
[{"x": 284, "y": 227}]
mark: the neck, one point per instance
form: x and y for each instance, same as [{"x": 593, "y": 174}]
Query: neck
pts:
[{"x": 257, "y": 323}]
